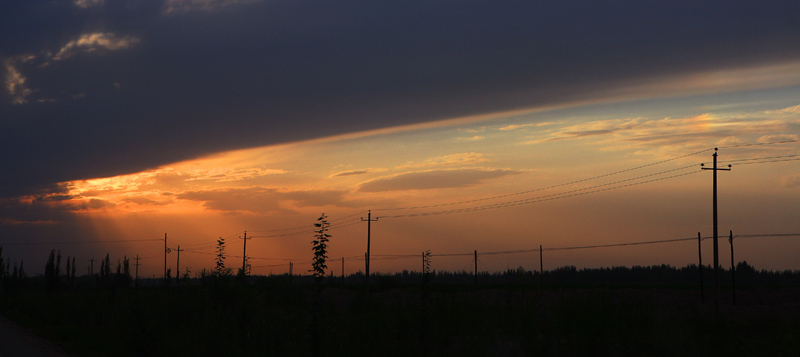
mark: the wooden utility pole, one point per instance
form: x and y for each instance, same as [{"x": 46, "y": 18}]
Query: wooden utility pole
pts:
[
  {"x": 716, "y": 231},
  {"x": 136, "y": 282},
  {"x": 369, "y": 221},
  {"x": 541, "y": 268},
  {"x": 290, "y": 269},
  {"x": 700, "y": 254},
  {"x": 476, "y": 268},
  {"x": 166, "y": 250},
  {"x": 342, "y": 270},
  {"x": 244, "y": 254},
  {"x": 178, "y": 269},
  {"x": 91, "y": 266},
  {"x": 733, "y": 268}
]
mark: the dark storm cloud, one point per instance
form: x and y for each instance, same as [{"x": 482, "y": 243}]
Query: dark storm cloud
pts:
[
  {"x": 141, "y": 83},
  {"x": 45, "y": 209}
]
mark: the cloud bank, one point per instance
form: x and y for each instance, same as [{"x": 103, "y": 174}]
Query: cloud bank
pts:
[{"x": 101, "y": 88}]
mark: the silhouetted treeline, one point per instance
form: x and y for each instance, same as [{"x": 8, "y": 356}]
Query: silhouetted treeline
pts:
[
  {"x": 645, "y": 275},
  {"x": 56, "y": 278}
]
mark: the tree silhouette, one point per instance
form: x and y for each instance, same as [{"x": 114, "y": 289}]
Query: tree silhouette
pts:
[
  {"x": 318, "y": 266},
  {"x": 425, "y": 299},
  {"x": 72, "y": 273},
  {"x": 168, "y": 280},
  {"x": 68, "y": 269},
  {"x": 220, "y": 270},
  {"x": 58, "y": 266},
  {"x": 320, "y": 248},
  {"x": 51, "y": 270}
]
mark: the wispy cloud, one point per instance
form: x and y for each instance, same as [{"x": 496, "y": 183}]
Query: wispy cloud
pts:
[
  {"x": 473, "y": 138},
  {"x": 351, "y": 173},
  {"x": 778, "y": 137},
  {"x": 88, "y": 3},
  {"x": 464, "y": 158},
  {"x": 169, "y": 179},
  {"x": 521, "y": 126},
  {"x": 792, "y": 109},
  {"x": 263, "y": 200},
  {"x": 434, "y": 179},
  {"x": 145, "y": 201},
  {"x": 791, "y": 181},
  {"x": 177, "y": 6},
  {"x": 15, "y": 84},
  {"x": 90, "y": 43},
  {"x": 95, "y": 43},
  {"x": 617, "y": 134}
]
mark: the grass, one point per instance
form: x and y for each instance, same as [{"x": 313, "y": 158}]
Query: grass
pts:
[{"x": 273, "y": 318}]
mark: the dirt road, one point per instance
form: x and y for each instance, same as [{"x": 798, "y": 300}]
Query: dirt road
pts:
[{"x": 17, "y": 342}]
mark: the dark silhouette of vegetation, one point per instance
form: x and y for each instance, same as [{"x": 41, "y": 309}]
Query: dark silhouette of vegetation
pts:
[
  {"x": 52, "y": 271},
  {"x": 640, "y": 310},
  {"x": 320, "y": 248},
  {"x": 219, "y": 269},
  {"x": 186, "y": 276},
  {"x": 68, "y": 271},
  {"x": 10, "y": 279},
  {"x": 426, "y": 298},
  {"x": 218, "y": 280}
]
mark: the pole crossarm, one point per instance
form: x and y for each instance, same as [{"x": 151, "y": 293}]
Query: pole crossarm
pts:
[
  {"x": 715, "y": 226},
  {"x": 369, "y": 221}
]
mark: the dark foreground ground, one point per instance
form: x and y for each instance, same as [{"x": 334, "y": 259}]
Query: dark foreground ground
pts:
[
  {"x": 15, "y": 341},
  {"x": 443, "y": 320}
]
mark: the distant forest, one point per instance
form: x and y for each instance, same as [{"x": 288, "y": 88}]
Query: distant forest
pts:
[
  {"x": 640, "y": 275},
  {"x": 517, "y": 312},
  {"x": 58, "y": 278}
]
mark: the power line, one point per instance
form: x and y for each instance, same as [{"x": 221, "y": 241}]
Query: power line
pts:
[
  {"x": 83, "y": 242},
  {"x": 759, "y": 144},
  {"x": 249, "y": 257},
  {"x": 594, "y": 246},
  {"x": 567, "y": 194},
  {"x": 590, "y": 178},
  {"x": 767, "y": 235},
  {"x": 621, "y": 244},
  {"x": 548, "y": 187},
  {"x": 760, "y": 158},
  {"x": 390, "y": 257},
  {"x": 306, "y": 227},
  {"x": 765, "y": 162},
  {"x": 347, "y": 223}
]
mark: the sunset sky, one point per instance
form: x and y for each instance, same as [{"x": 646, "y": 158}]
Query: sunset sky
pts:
[{"x": 462, "y": 126}]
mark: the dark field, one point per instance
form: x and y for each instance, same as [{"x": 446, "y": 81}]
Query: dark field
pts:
[{"x": 271, "y": 316}]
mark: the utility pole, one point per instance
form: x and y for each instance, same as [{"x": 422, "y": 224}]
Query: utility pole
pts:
[
  {"x": 342, "y": 270},
  {"x": 700, "y": 253},
  {"x": 716, "y": 232},
  {"x": 476, "y": 268},
  {"x": 244, "y": 254},
  {"x": 369, "y": 221},
  {"x": 733, "y": 268},
  {"x": 166, "y": 250},
  {"x": 178, "y": 270},
  {"x": 541, "y": 268},
  {"x": 136, "y": 282},
  {"x": 91, "y": 266}
]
